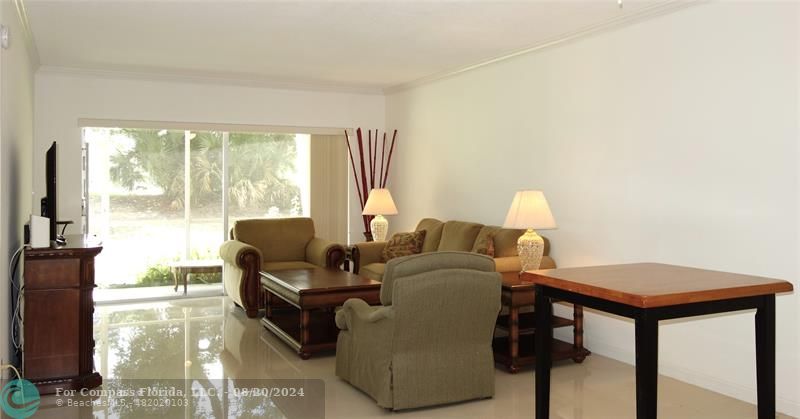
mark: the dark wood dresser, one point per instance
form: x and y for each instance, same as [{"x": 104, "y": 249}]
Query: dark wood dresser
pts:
[{"x": 58, "y": 345}]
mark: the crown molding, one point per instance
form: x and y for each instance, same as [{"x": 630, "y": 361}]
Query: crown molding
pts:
[
  {"x": 666, "y": 7},
  {"x": 27, "y": 34},
  {"x": 209, "y": 79}
]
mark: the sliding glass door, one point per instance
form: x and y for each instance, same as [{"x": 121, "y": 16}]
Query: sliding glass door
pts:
[
  {"x": 158, "y": 197},
  {"x": 268, "y": 175}
]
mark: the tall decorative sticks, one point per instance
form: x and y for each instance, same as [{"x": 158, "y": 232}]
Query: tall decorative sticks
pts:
[{"x": 366, "y": 179}]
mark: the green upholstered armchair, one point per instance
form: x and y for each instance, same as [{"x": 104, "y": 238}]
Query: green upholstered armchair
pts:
[
  {"x": 270, "y": 244},
  {"x": 431, "y": 340}
]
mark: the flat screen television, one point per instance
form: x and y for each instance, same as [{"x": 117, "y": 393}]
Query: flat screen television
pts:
[{"x": 50, "y": 203}]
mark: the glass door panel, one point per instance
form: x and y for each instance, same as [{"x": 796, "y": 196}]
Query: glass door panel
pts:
[
  {"x": 268, "y": 175},
  {"x": 204, "y": 215},
  {"x": 136, "y": 204}
]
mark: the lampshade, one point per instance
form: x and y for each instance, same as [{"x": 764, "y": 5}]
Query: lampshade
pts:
[
  {"x": 529, "y": 209},
  {"x": 379, "y": 203}
]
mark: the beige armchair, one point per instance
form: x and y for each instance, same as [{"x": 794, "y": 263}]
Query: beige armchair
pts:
[
  {"x": 270, "y": 244},
  {"x": 431, "y": 340}
]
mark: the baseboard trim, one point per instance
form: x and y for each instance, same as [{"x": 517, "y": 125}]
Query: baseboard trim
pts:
[{"x": 731, "y": 389}]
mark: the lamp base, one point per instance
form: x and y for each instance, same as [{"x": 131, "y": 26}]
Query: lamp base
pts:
[
  {"x": 379, "y": 226},
  {"x": 530, "y": 247}
]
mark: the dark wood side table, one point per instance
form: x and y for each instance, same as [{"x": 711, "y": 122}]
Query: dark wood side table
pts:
[
  {"x": 58, "y": 343},
  {"x": 648, "y": 293},
  {"x": 517, "y": 348},
  {"x": 307, "y": 321}
]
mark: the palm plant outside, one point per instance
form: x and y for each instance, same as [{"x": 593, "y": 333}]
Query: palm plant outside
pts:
[{"x": 258, "y": 179}]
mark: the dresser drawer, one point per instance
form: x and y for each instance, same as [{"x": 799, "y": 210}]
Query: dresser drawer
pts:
[{"x": 52, "y": 273}]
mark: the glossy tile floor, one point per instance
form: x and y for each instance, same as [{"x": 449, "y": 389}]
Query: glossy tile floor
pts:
[{"x": 210, "y": 338}]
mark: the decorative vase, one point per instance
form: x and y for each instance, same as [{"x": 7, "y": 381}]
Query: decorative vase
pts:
[
  {"x": 530, "y": 247},
  {"x": 379, "y": 227}
]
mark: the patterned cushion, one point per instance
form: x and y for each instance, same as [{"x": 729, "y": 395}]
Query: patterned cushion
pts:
[
  {"x": 485, "y": 245},
  {"x": 403, "y": 244},
  {"x": 482, "y": 241}
]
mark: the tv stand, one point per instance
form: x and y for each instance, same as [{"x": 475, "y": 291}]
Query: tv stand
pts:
[{"x": 58, "y": 343}]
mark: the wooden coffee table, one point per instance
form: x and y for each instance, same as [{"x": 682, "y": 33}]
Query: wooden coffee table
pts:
[
  {"x": 648, "y": 293},
  {"x": 306, "y": 319}
]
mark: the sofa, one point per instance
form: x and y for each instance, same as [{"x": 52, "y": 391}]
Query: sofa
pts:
[
  {"x": 430, "y": 342},
  {"x": 257, "y": 245},
  {"x": 460, "y": 236}
]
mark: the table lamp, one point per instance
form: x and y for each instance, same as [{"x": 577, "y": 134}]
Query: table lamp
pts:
[
  {"x": 529, "y": 210},
  {"x": 379, "y": 203}
]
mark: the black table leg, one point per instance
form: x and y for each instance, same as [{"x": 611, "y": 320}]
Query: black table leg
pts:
[
  {"x": 646, "y": 366},
  {"x": 543, "y": 308},
  {"x": 765, "y": 357}
]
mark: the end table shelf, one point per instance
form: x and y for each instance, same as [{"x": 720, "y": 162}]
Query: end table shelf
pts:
[
  {"x": 527, "y": 322},
  {"x": 526, "y": 356}
]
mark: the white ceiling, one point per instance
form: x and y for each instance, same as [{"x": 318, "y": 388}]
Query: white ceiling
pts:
[{"x": 346, "y": 44}]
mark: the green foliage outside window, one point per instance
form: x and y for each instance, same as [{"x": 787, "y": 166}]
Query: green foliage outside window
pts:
[
  {"x": 159, "y": 273},
  {"x": 258, "y": 169}
]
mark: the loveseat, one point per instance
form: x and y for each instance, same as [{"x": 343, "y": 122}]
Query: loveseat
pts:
[
  {"x": 271, "y": 244},
  {"x": 460, "y": 236}
]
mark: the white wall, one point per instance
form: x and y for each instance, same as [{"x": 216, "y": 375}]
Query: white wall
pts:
[
  {"x": 63, "y": 98},
  {"x": 16, "y": 139},
  {"x": 671, "y": 140}
]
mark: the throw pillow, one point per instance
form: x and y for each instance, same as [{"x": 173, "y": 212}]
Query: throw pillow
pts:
[
  {"x": 403, "y": 244},
  {"x": 486, "y": 246}
]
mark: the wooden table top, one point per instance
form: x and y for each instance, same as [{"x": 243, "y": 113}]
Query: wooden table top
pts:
[
  {"x": 318, "y": 280},
  {"x": 647, "y": 285}
]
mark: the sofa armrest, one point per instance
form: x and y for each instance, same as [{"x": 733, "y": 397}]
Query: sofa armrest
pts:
[
  {"x": 233, "y": 252},
  {"x": 355, "y": 308},
  {"x": 513, "y": 264},
  {"x": 324, "y": 253},
  {"x": 507, "y": 264},
  {"x": 242, "y": 263},
  {"x": 365, "y": 253}
]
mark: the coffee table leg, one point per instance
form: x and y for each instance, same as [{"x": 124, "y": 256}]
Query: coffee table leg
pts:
[
  {"x": 267, "y": 304},
  {"x": 646, "y": 366},
  {"x": 304, "y": 333},
  {"x": 543, "y": 309},
  {"x": 765, "y": 357}
]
